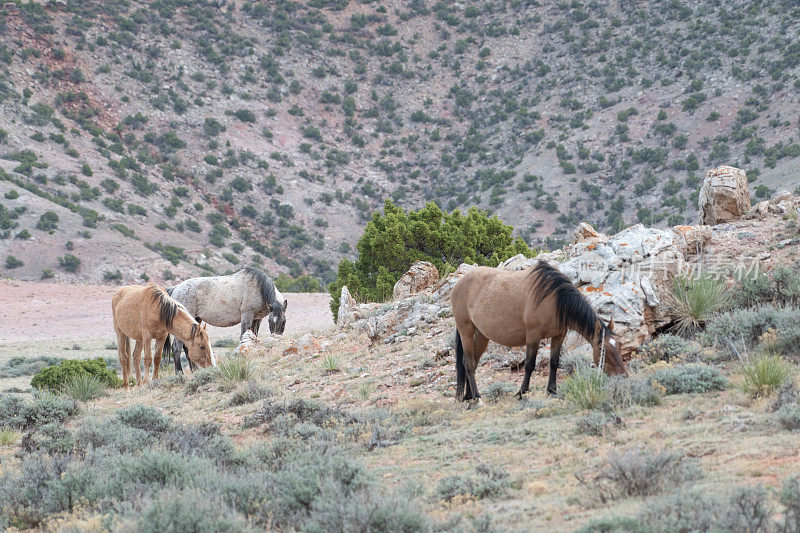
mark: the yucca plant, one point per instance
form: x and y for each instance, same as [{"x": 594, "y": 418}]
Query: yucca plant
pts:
[
  {"x": 330, "y": 364},
  {"x": 83, "y": 387},
  {"x": 763, "y": 375},
  {"x": 694, "y": 301},
  {"x": 365, "y": 390},
  {"x": 234, "y": 369},
  {"x": 9, "y": 435},
  {"x": 586, "y": 388}
]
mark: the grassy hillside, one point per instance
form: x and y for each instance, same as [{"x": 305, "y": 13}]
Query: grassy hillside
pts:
[{"x": 199, "y": 136}]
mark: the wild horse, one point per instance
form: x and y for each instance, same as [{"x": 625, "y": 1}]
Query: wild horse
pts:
[
  {"x": 245, "y": 298},
  {"x": 520, "y": 308},
  {"x": 146, "y": 314}
]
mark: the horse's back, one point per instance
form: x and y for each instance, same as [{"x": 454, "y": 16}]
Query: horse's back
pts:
[
  {"x": 126, "y": 307},
  {"x": 494, "y": 301}
]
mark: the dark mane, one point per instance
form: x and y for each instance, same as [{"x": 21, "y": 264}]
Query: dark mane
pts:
[
  {"x": 167, "y": 307},
  {"x": 572, "y": 309},
  {"x": 265, "y": 286}
]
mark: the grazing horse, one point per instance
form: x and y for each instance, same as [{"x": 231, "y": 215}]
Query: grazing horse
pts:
[
  {"x": 520, "y": 308},
  {"x": 245, "y": 298},
  {"x": 146, "y": 314}
]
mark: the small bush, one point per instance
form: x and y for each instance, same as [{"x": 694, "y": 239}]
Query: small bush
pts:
[
  {"x": 365, "y": 390},
  {"x": 763, "y": 375},
  {"x": 749, "y": 325},
  {"x": 633, "y": 390},
  {"x": 695, "y": 301},
  {"x": 200, "y": 378},
  {"x": 692, "y": 377},
  {"x": 22, "y": 366},
  {"x": 13, "y": 262},
  {"x": 789, "y": 416},
  {"x": 69, "y": 262},
  {"x": 145, "y": 418},
  {"x": 597, "y": 424},
  {"x": 498, "y": 390},
  {"x": 666, "y": 348},
  {"x": 790, "y": 499},
  {"x": 46, "y": 408},
  {"x": 54, "y": 377},
  {"x": 614, "y": 524},
  {"x": 643, "y": 472},
  {"x": 83, "y": 387},
  {"x": 189, "y": 510},
  {"x": 250, "y": 392},
  {"x": 585, "y": 389},
  {"x": 225, "y": 343},
  {"x": 485, "y": 482}
]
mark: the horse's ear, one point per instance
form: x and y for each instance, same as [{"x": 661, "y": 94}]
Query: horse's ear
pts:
[
  {"x": 285, "y": 305},
  {"x": 611, "y": 324},
  {"x": 204, "y": 327}
]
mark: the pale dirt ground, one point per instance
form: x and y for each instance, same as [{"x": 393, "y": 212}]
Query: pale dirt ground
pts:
[{"x": 74, "y": 321}]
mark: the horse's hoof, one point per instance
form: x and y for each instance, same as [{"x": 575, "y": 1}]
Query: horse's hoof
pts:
[
  {"x": 552, "y": 392},
  {"x": 520, "y": 394}
]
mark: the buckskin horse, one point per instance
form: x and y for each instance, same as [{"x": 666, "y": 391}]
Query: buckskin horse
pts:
[
  {"x": 146, "y": 314},
  {"x": 520, "y": 308}
]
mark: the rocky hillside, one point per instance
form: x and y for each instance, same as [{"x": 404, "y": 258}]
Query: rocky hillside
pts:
[{"x": 169, "y": 138}]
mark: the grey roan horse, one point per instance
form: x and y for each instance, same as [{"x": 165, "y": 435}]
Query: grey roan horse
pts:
[{"x": 245, "y": 298}]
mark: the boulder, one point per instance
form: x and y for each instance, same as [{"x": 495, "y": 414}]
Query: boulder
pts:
[
  {"x": 586, "y": 233},
  {"x": 421, "y": 276},
  {"x": 442, "y": 293},
  {"x": 724, "y": 196},
  {"x": 248, "y": 344},
  {"x": 347, "y": 308},
  {"x": 692, "y": 240}
]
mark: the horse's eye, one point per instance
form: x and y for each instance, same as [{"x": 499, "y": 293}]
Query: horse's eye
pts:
[{"x": 203, "y": 348}]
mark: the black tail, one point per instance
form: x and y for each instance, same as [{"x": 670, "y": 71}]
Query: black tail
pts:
[
  {"x": 461, "y": 371},
  {"x": 166, "y": 353}
]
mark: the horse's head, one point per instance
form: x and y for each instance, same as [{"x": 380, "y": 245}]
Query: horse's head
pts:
[
  {"x": 199, "y": 346},
  {"x": 606, "y": 346},
  {"x": 277, "y": 318}
]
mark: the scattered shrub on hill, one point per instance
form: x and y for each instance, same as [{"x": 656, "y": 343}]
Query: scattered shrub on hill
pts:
[
  {"x": 484, "y": 482},
  {"x": 666, "y": 347},
  {"x": 596, "y": 423},
  {"x": 13, "y": 262},
  {"x": 69, "y": 262},
  {"x": 145, "y": 418},
  {"x": 394, "y": 239},
  {"x": 781, "y": 288},
  {"x": 789, "y": 416},
  {"x": 642, "y": 472},
  {"x": 304, "y": 283},
  {"x": 54, "y": 377},
  {"x": 250, "y": 392},
  {"x": 692, "y": 377},
  {"x": 749, "y": 325},
  {"x": 26, "y": 366}
]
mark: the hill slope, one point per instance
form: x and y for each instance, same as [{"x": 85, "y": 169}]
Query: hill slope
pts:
[{"x": 189, "y": 136}]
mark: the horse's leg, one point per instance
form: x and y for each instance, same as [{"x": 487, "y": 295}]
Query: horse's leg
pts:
[
  {"x": 148, "y": 357},
  {"x": 531, "y": 350},
  {"x": 479, "y": 344},
  {"x": 177, "y": 349},
  {"x": 555, "y": 355},
  {"x": 247, "y": 321},
  {"x": 256, "y": 326},
  {"x": 137, "y": 360},
  {"x": 157, "y": 357},
  {"x": 124, "y": 355}
]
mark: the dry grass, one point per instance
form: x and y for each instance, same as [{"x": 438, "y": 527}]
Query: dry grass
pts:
[{"x": 429, "y": 437}]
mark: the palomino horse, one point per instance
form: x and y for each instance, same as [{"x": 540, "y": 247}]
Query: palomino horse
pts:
[
  {"x": 521, "y": 308},
  {"x": 245, "y": 298},
  {"x": 148, "y": 313}
]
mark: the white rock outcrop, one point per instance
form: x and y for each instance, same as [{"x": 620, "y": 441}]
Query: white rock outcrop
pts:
[{"x": 421, "y": 276}]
